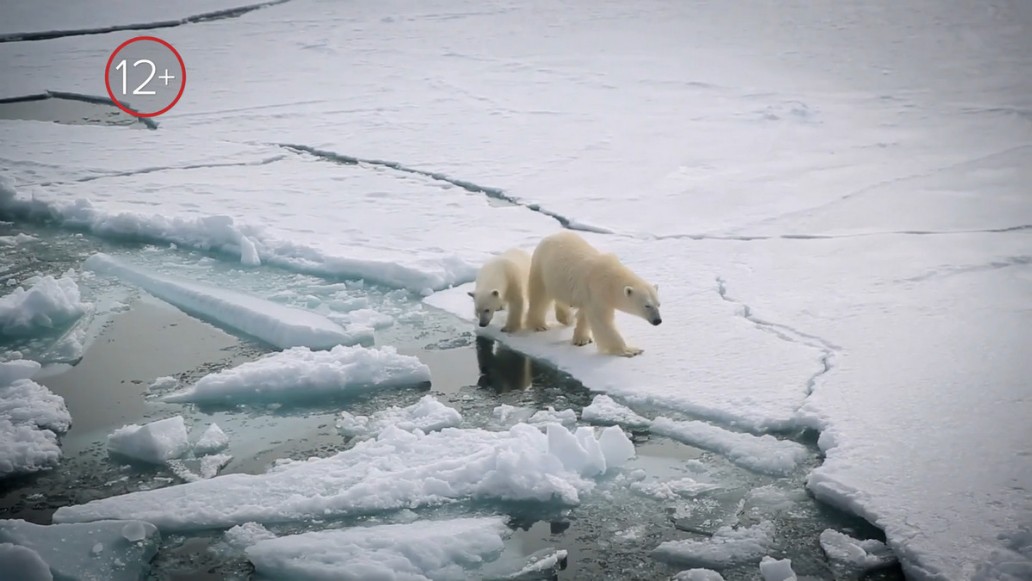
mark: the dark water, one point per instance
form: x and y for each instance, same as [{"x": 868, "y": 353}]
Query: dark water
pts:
[
  {"x": 608, "y": 536},
  {"x": 68, "y": 111}
]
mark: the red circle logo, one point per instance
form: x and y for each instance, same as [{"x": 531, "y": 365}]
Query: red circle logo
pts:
[{"x": 170, "y": 53}]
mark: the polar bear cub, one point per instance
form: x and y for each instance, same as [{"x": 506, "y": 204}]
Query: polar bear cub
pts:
[
  {"x": 502, "y": 284},
  {"x": 568, "y": 271}
]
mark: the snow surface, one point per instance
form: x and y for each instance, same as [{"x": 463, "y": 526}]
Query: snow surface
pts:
[
  {"x": 276, "y": 324},
  {"x": 111, "y": 550},
  {"x": 426, "y": 415},
  {"x": 418, "y": 551},
  {"x": 728, "y": 546},
  {"x": 31, "y": 417},
  {"x": 862, "y": 199},
  {"x": 299, "y": 373},
  {"x": 154, "y": 442},
  {"x": 399, "y": 469},
  {"x": 47, "y": 304},
  {"x": 212, "y": 440}
]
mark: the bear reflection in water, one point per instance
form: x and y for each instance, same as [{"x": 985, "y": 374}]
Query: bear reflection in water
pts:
[{"x": 501, "y": 368}]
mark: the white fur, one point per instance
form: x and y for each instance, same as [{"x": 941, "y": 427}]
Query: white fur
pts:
[
  {"x": 502, "y": 284},
  {"x": 568, "y": 271}
]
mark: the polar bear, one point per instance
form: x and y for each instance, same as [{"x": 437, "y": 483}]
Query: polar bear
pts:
[
  {"x": 572, "y": 273},
  {"x": 502, "y": 283}
]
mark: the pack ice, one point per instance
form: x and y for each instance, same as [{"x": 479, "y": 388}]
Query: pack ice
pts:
[
  {"x": 398, "y": 469},
  {"x": 31, "y": 417},
  {"x": 47, "y": 304}
]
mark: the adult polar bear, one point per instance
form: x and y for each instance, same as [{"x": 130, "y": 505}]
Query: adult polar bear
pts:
[{"x": 568, "y": 271}]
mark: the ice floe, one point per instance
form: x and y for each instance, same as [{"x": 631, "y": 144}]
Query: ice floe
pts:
[
  {"x": 156, "y": 442},
  {"x": 426, "y": 415},
  {"x": 299, "y": 373},
  {"x": 396, "y": 470},
  {"x": 279, "y": 325},
  {"x": 47, "y": 304},
  {"x": 728, "y": 546}
]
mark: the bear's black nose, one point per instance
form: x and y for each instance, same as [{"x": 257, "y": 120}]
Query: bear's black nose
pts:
[
  {"x": 657, "y": 321},
  {"x": 483, "y": 324}
]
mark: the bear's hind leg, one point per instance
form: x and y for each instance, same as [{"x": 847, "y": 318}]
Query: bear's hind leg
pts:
[
  {"x": 607, "y": 338},
  {"x": 538, "y": 300},
  {"x": 563, "y": 313},
  {"x": 582, "y": 332}
]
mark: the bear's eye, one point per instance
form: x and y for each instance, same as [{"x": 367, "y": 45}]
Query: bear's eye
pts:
[{"x": 487, "y": 310}]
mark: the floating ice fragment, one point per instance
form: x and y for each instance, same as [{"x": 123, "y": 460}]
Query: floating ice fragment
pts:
[
  {"x": 427, "y": 415},
  {"x": 302, "y": 374},
  {"x": 212, "y": 440},
  {"x": 155, "y": 442}
]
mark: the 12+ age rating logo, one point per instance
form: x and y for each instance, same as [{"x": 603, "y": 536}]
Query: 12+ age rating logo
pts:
[{"x": 147, "y": 72}]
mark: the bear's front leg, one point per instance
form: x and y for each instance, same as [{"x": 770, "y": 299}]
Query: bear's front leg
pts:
[
  {"x": 514, "y": 320},
  {"x": 608, "y": 338},
  {"x": 582, "y": 332},
  {"x": 563, "y": 314}
]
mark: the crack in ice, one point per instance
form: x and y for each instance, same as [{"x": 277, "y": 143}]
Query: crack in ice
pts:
[
  {"x": 490, "y": 192},
  {"x": 223, "y": 14},
  {"x": 69, "y": 96},
  {"x": 147, "y": 170},
  {"x": 827, "y": 349},
  {"x": 760, "y": 238}
]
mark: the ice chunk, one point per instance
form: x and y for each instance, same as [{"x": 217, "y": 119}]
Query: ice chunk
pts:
[
  {"x": 566, "y": 417},
  {"x": 300, "y": 373},
  {"x": 155, "y": 442},
  {"x": 427, "y": 415},
  {"x": 26, "y": 562},
  {"x": 49, "y": 303},
  {"x": 727, "y": 547},
  {"x": 537, "y": 566},
  {"x": 248, "y": 252},
  {"x": 30, "y": 419},
  {"x": 210, "y": 465},
  {"x": 777, "y": 570},
  {"x": 419, "y": 551},
  {"x": 244, "y": 535},
  {"x": 617, "y": 448},
  {"x": 854, "y": 555},
  {"x": 398, "y": 469},
  {"x": 765, "y": 453},
  {"x": 604, "y": 410},
  {"x": 672, "y": 489},
  {"x": 276, "y": 324},
  {"x": 20, "y": 238},
  {"x": 163, "y": 383},
  {"x": 70, "y": 550},
  {"x": 507, "y": 415},
  {"x": 698, "y": 575},
  {"x": 212, "y": 440}
]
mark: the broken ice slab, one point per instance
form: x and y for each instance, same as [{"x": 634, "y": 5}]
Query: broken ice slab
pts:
[{"x": 112, "y": 550}]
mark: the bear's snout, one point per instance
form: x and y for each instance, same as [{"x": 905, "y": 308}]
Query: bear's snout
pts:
[
  {"x": 483, "y": 323},
  {"x": 656, "y": 321}
]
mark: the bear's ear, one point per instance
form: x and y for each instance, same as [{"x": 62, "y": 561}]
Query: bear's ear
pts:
[
  {"x": 470, "y": 293},
  {"x": 495, "y": 293},
  {"x": 628, "y": 290}
]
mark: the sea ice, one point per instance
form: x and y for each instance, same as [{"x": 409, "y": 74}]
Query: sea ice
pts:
[
  {"x": 728, "y": 546},
  {"x": 31, "y": 417},
  {"x": 426, "y": 415},
  {"x": 765, "y": 453},
  {"x": 246, "y": 534},
  {"x": 419, "y": 551},
  {"x": 163, "y": 383},
  {"x": 212, "y": 440},
  {"x": 155, "y": 442},
  {"x": 698, "y": 575},
  {"x": 672, "y": 489},
  {"x": 854, "y": 555},
  {"x": 71, "y": 550},
  {"x": 278, "y": 325},
  {"x": 772, "y": 569},
  {"x": 605, "y": 410},
  {"x": 27, "y": 563},
  {"x": 49, "y": 303},
  {"x": 398, "y": 469},
  {"x": 299, "y": 373},
  {"x": 565, "y": 417}
]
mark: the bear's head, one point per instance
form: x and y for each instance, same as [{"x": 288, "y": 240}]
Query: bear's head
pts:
[
  {"x": 642, "y": 300},
  {"x": 485, "y": 304}
]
